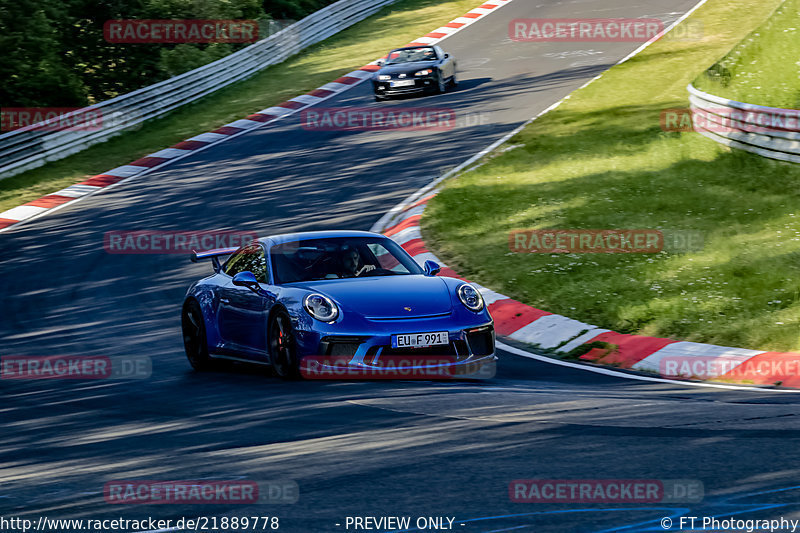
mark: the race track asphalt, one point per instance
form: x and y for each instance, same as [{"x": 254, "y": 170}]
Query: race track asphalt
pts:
[{"x": 353, "y": 448}]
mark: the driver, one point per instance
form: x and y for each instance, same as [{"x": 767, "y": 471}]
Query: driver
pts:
[
  {"x": 350, "y": 261},
  {"x": 428, "y": 54}
]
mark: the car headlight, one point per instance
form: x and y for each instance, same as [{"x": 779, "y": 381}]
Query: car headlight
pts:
[
  {"x": 470, "y": 297},
  {"x": 320, "y": 307},
  {"x": 424, "y": 72},
  {"x": 384, "y": 77}
]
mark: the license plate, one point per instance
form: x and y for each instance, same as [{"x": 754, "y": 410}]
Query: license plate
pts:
[
  {"x": 420, "y": 340},
  {"x": 402, "y": 83}
]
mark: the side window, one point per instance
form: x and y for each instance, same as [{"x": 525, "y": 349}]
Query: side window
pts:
[
  {"x": 385, "y": 258},
  {"x": 250, "y": 258}
]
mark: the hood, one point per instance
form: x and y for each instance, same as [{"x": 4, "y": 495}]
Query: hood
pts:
[
  {"x": 408, "y": 68},
  {"x": 387, "y": 296}
]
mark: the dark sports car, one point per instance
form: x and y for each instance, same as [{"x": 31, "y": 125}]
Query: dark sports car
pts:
[
  {"x": 414, "y": 69},
  {"x": 349, "y": 294}
]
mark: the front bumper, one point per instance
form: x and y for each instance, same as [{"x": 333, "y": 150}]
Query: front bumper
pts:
[
  {"x": 421, "y": 84},
  {"x": 471, "y": 349}
]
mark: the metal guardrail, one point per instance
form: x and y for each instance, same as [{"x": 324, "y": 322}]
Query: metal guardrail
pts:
[
  {"x": 767, "y": 131},
  {"x": 37, "y": 144}
]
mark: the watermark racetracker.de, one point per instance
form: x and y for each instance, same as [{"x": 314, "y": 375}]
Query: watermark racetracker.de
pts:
[
  {"x": 604, "y": 241},
  {"x": 435, "y": 367},
  {"x": 51, "y": 118},
  {"x": 584, "y": 30},
  {"x": 138, "y": 31},
  {"x": 21, "y": 367},
  {"x": 173, "y": 242},
  {"x": 396, "y": 118},
  {"x": 201, "y": 492},
  {"x": 728, "y": 120},
  {"x": 599, "y": 30},
  {"x": 728, "y": 367},
  {"x": 606, "y": 491}
]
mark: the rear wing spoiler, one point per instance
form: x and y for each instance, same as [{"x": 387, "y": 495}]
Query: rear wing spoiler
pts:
[{"x": 214, "y": 255}]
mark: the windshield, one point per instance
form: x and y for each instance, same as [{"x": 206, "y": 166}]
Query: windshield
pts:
[
  {"x": 340, "y": 257},
  {"x": 410, "y": 55}
]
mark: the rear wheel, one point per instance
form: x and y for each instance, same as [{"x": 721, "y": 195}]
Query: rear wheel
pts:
[
  {"x": 282, "y": 347},
  {"x": 194, "y": 337}
]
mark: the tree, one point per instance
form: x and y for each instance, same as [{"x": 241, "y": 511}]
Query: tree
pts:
[
  {"x": 55, "y": 53},
  {"x": 32, "y": 66}
]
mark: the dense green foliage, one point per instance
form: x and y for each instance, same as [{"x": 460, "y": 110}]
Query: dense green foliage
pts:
[
  {"x": 53, "y": 52},
  {"x": 392, "y": 26}
]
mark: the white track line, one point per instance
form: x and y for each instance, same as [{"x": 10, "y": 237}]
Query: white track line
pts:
[
  {"x": 382, "y": 223},
  {"x": 387, "y": 220},
  {"x": 635, "y": 377}
]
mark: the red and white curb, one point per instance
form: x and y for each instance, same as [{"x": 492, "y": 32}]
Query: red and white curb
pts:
[
  {"x": 559, "y": 334},
  {"x": 13, "y": 218}
]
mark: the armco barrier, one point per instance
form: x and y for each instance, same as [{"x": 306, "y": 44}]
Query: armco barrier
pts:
[
  {"x": 34, "y": 145},
  {"x": 767, "y": 131},
  {"x": 50, "y": 203}
]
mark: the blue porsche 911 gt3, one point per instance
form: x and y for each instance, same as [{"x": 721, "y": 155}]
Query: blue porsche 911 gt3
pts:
[{"x": 350, "y": 294}]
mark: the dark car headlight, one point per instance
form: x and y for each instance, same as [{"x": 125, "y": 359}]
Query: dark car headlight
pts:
[
  {"x": 470, "y": 297},
  {"x": 425, "y": 72},
  {"x": 320, "y": 307}
]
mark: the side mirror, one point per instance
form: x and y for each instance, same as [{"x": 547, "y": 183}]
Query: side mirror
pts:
[
  {"x": 431, "y": 268},
  {"x": 246, "y": 279},
  {"x": 381, "y": 62},
  {"x": 446, "y": 56}
]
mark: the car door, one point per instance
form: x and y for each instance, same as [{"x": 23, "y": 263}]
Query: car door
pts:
[{"x": 243, "y": 312}]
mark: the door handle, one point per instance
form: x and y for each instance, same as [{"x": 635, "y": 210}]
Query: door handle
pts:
[{"x": 224, "y": 301}]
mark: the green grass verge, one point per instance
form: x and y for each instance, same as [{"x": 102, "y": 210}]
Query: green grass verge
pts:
[
  {"x": 394, "y": 25},
  {"x": 601, "y": 160},
  {"x": 762, "y": 68}
]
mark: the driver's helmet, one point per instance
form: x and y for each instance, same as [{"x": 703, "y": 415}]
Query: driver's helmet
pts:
[{"x": 428, "y": 53}]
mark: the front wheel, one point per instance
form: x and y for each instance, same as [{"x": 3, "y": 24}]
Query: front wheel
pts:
[
  {"x": 194, "y": 337},
  {"x": 454, "y": 81},
  {"x": 282, "y": 347},
  {"x": 442, "y": 85}
]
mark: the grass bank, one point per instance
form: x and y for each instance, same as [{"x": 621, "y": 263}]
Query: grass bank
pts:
[
  {"x": 763, "y": 68},
  {"x": 371, "y": 38},
  {"x": 601, "y": 160}
]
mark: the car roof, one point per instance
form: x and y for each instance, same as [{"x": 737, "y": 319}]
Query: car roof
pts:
[{"x": 309, "y": 235}]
